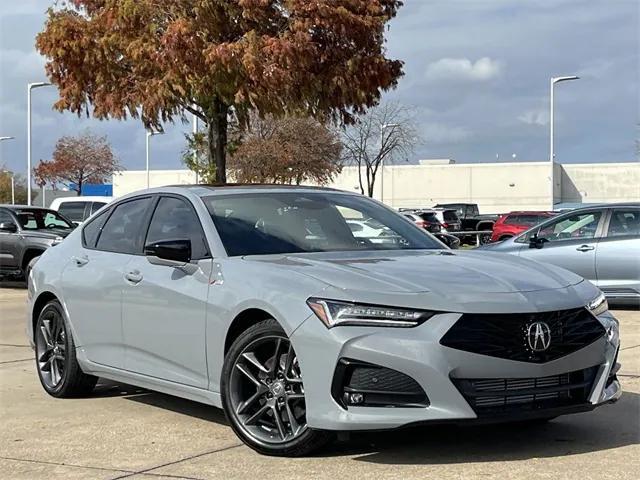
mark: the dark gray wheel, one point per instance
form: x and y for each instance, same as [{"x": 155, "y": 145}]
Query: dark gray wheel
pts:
[
  {"x": 58, "y": 368},
  {"x": 263, "y": 393}
]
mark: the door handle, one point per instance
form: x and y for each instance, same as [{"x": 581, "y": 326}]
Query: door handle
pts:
[
  {"x": 80, "y": 261},
  {"x": 585, "y": 248},
  {"x": 134, "y": 276}
]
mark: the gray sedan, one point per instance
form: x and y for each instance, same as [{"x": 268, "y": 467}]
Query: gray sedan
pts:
[
  {"x": 262, "y": 301},
  {"x": 599, "y": 243}
]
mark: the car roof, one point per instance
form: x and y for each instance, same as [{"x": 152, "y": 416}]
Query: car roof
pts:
[
  {"x": 208, "y": 189},
  {"x": 530, "y": 212}
]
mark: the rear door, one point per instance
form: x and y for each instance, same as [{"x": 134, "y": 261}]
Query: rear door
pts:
[
  {"x": 94, "y": 281},
  {"x": 618, "y": 252},
  {"x": 570, "y": 242},
  {"x": 164, "y": 308}
]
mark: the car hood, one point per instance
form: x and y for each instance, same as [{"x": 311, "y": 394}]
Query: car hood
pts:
[{"x": 437, "y": 271}]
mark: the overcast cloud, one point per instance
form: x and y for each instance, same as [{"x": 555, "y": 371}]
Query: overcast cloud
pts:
[{"x": 476, "y": 72}]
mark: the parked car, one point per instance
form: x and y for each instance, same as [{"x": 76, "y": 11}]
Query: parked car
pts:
[
  {"x": 601, "y": 244},
  {"x": 449, "y": 219},
  {"x": 426, "y": 219},
  {"x": 221, "y": 295},
  {"x": 445, "y": 220},
  {"x": 449, "y": 240},
  {"x": 513, "y": 223},
  {"x": 78, "y": 209},
  {"x": 25, "y": 233},
  {"x": 470, "y": 217}
]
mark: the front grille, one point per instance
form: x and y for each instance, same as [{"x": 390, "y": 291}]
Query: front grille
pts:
[
  {"x": 507, "y": 335},
  {"x": 500, "y": 396}
]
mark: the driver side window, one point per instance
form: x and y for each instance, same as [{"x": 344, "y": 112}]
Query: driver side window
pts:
[{"x": 578, "y": 226}]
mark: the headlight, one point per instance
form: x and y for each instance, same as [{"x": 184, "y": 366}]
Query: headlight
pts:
[
  {"x": 598, "y": 305},
  {"x": 334, "y": 313},
  {"x": 57, "y": 241}
]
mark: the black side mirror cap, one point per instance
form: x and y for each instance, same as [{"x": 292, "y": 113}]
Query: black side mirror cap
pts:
[
  {"x": 174, "y": 252},
  {"x": 537, "y": 242},
  {"x": 9, "y": 227}
]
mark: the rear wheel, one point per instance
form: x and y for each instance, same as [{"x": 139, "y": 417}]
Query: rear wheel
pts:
[
  {"x": 263, "y": 393},
  {"x": 58, "y": 369}
]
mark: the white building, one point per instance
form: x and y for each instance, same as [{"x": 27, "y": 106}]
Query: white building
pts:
[{"x": 495, "y": 187}]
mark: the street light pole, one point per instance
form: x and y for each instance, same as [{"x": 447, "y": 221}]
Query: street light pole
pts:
[
  {"x": 382, "y": 129},
  {"x": 149, "y": 135},
  {"x": 195, "y": 150},
  {"x": 552, "y": 84},
  {"x": 30, "y": 87}
]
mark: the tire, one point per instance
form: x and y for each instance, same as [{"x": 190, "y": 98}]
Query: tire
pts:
[
  {"x": 255, "y": 387},
  {"x": 58, "y": 369}
]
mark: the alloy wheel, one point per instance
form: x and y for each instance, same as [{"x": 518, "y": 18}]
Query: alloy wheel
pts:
[
  {"x": 51, "y": 348},
  {"x": 267, "y": 393}
]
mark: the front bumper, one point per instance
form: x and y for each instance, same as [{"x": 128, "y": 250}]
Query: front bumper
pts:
[{"x": 417, "y": 352}]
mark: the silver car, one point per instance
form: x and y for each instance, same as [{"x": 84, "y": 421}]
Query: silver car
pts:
[
  {"x": 600, "y": 243},
  {"x": 261, "y": 301}
]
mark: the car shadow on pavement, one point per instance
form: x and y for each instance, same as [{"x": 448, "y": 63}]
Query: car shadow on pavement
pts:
[
  {"x": 106, "y": 388},
  {"x": 608, "y": 427}
]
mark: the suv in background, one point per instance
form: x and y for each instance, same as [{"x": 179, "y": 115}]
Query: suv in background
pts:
[
  {"x": 78, "y": 209},
  {"x": 25, "y": 233},
  {"x": 426, "y": 219},
  {"x": 514, "y": 223}
]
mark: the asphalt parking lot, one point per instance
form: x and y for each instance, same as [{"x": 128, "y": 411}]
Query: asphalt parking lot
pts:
[{"x": 125, "y": 432}]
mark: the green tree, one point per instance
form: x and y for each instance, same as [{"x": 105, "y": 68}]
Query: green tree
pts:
[
  {"x": 19, "y": 185},
  {"x": 154, "y": 60}
]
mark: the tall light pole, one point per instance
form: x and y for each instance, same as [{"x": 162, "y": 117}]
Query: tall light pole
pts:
[
  {"x": 13, "y": 187},
  {"x": 149, "y": 135},
  {"x": 195, "y": 150},
  {"x": 30, "y": 87},
  {"x": 552, "y": 84},
  {"x": 382, "y": 129}
]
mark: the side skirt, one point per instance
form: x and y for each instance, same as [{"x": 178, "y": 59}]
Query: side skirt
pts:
[{"x": 151, "y": 383}]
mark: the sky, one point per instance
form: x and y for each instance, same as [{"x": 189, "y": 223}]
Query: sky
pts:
[{"x": 476, "y": 75}]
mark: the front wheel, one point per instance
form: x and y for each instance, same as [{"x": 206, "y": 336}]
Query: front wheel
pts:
[{"x": 263, "y": 393}]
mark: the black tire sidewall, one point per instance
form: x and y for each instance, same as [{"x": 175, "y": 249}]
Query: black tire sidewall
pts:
[{"x": 58, "y": 389}]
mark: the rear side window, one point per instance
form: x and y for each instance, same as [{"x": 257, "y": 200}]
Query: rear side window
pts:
[
  {"x": 429, "y": 217},
  {"x": 74, "y": 211},
  {"x": 121, "y": 232},
  {"x": 95, "y": 206},
  {"x": 624, "y": 223},
  {"x": 91, "y": 231},
  {"x": 174, "y": 219}
]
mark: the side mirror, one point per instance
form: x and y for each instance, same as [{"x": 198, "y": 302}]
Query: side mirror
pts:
[
  {"x": 170, "y": 253},
  {"x": 537, "y": 242},
  {"x": 8, "y": 227}
]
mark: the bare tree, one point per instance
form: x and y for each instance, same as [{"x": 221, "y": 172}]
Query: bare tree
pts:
[{"x": 384, "y": 135}]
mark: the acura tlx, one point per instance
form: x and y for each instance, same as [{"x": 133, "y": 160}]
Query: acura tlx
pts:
[{"x": 263, "y": 301}]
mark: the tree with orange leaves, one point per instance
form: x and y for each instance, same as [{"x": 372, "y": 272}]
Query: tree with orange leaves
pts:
[
  {"x": 77, "y": 161},
  {"x": 156, "y": 59}
]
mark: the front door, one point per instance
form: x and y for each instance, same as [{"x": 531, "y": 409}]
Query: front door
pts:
[
  {"x": 164, "y": 308},
  {"x": 9, "y": 243},
  {"x": 570, "y": 242}
]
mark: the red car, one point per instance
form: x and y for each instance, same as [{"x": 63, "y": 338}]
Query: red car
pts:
[{"x": 513, "y": 223}]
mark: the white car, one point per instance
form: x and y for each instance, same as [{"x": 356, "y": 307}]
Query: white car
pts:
[{"x": 78, "y": 209}]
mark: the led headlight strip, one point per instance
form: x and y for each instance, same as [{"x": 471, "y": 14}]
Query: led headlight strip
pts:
[
  {"x": 598, "y": 305},
  {"x": 335, "y": 313}
]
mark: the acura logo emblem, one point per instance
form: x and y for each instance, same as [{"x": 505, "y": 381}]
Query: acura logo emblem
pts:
[{"x": 539, "y": 336}]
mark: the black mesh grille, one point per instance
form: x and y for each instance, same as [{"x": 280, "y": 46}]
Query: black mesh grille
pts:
[
  {"x": 506, "y": 335},
  {"x": 497, "y": 396},
  {"x": 382, "y": 380}
]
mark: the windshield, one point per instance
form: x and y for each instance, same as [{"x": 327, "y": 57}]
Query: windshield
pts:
[
  {"x": 277, "y": 223},
  {"x": 37, "y": 219}
]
